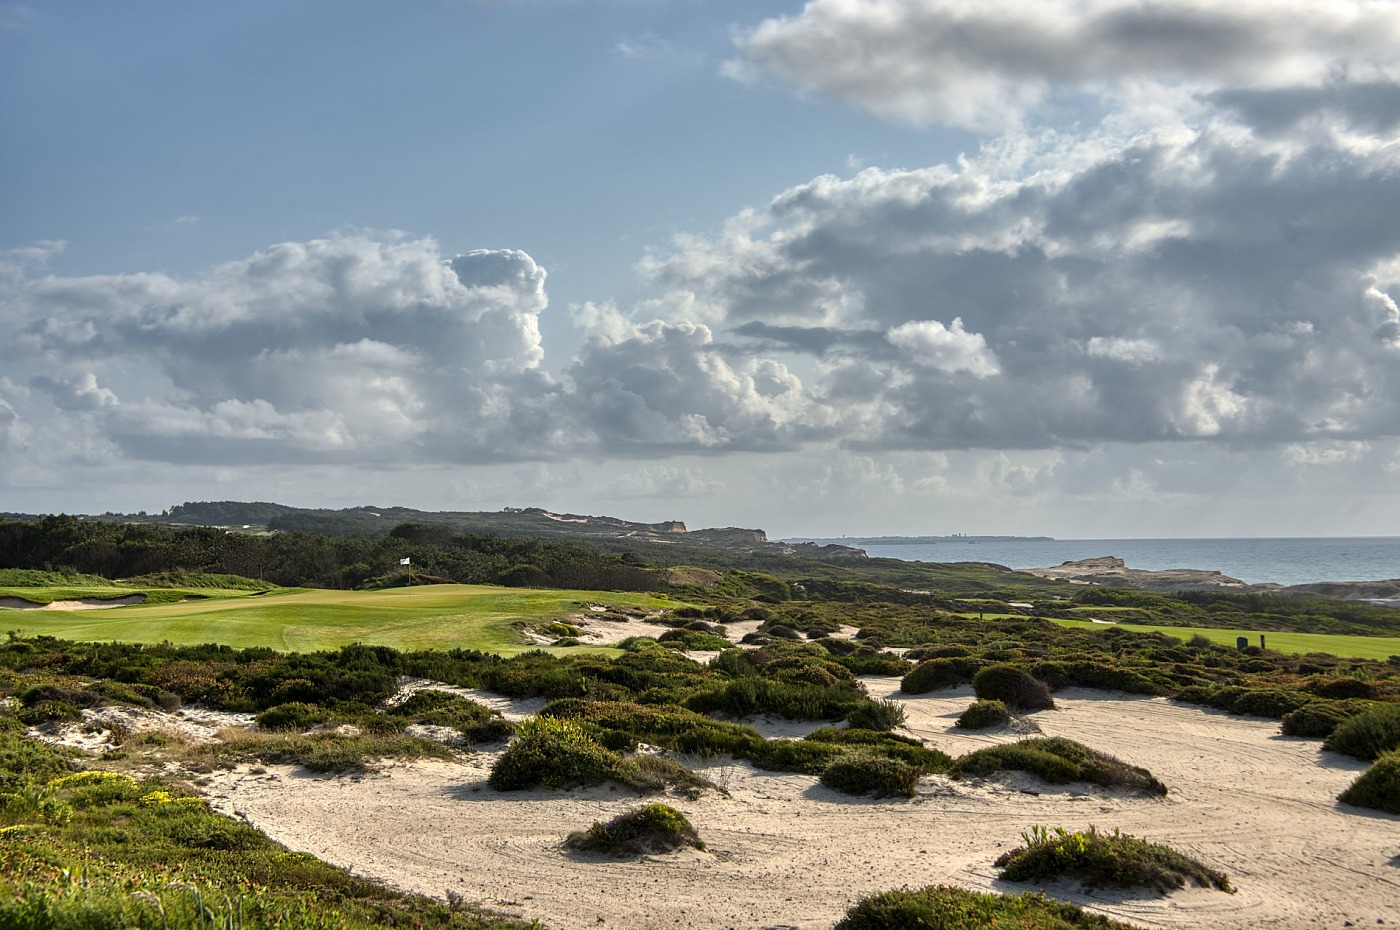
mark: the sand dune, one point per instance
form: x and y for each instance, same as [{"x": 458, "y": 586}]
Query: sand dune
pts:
[{"x": 786, "y": 852}]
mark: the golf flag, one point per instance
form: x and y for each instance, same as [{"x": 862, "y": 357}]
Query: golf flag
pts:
[{"x": 404, "y": 561}]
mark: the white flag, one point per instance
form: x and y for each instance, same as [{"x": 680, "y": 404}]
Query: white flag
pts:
[{"x": 404, "y": 561}]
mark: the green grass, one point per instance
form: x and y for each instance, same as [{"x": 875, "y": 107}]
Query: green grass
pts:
[
  {"x": 1363, "y": 647},
  {"x": 426, "y": 617}
]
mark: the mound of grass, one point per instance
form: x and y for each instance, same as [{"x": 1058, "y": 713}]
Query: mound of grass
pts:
[
  {"x": 655, "y": 828},
  {"x": 1014, "y": 687},
  {"x": 881, "y": 776},
  {"x": 938, "y": 673},
  {"x": 942, "y": 908},
  {"x": 321, "y": 752},
  {"x": 1378, "y": 787},
  {"x": 693, "y": 640},
  {"x": 1320, "y": 718},
  {"x": 1368, "y": 734},
  {"x": 1099, "y": 859},
  {"x": 476, "y": 722},
  {"x": 1059, "y": 761},
  {"x": 555, "y": 752},
  {"x": 877, "y": 715},
  {"x": 984, "y": 714}
]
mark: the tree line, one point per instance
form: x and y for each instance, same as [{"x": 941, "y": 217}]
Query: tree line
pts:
[{"x": 62, "y": 543}]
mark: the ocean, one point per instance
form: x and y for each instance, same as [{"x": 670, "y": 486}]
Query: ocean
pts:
[{"x": 1256, "y": 561}]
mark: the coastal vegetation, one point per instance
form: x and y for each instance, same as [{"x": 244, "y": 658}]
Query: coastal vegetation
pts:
[
  {"x": 1104, "y": 859},
  {"x": 940, "y": 907},
  {"x": 313, "y": 675},
  {"x": 654, "y": 828}
]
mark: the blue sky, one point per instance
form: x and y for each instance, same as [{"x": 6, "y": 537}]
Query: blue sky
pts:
[{"x": 1072, "y": 267}]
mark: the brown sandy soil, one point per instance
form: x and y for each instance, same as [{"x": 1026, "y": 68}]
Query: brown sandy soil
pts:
[{"x": 785, "y": 852}]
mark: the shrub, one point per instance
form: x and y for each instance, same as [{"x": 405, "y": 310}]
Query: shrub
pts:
[
  {"x": 943, "y": 908},
  {"x": 877, "y": 715},
  {"x": 902, "y": 748},
  {"x": 1109, "y": 678},
  {"x": 1320, "y": 718},
  {"x": 860, "y": 774},
  {"x": 655, "y": 828},
  {"x": 556, "y": 753},
  {"x": 1341, "y": 688},
  {"x": 693, "y": 640},
  {"x": 1014, "y": 687},
  {"x": 476, "y": 722},
  {"x": 1059, "y": 761},
  {"x": 984, "y": 714},
  {"x": 1368, "y": 734},
  {"x": 293, "y": 716},
  {"x": 936, "y": 674},
  {"x": 1378, "y": 787},
  {"x": 1099, "y": 859}
]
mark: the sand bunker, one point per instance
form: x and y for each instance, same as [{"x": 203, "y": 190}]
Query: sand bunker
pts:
[
  {"x": 86, "y": 603},
  {"x": 786, "y": 852}
]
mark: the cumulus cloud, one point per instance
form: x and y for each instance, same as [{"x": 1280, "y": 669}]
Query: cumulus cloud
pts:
[
  {"x": 350, "y": 348},
  {"x": 986, "y": 65}
]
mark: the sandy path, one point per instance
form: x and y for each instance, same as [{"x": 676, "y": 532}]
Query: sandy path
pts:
[{"x": 786, "y": 852}]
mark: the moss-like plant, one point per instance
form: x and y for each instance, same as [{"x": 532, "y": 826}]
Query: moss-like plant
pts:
[
  {"x": 1378, "y": 787},
  {"x": 984, "y": 714},
  {"x": 1059, "y": 761},
  {"x": 942, "y": 908},
  {"x": 1099, "y": 859},
  {"x": 655, "y": 828}
]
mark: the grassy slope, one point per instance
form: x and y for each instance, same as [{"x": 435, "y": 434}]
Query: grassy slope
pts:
[
  {"x": 432, "y": 616},
  {"x": 1364, "y": 647}
]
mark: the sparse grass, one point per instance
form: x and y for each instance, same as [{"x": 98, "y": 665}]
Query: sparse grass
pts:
[
  {"x": 1059, "y": 761},
  {"x": 655, "y": 828},
  {"x": 318, "y": 752},
  {"x": 942, "y": 908},
  {"x": 1098, "y": 859}
]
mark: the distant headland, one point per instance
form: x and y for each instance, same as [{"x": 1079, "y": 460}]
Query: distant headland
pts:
[{"x": 911, "y": 540}]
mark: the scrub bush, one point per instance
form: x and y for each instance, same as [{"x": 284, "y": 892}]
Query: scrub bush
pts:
[
  {"x": 1368, "y": 734},
  {"x": 942, "y": 908},
  {"x": 655, "y": 828},
  {"x": 984, "y": 714},
  {"x": 1099, "y": 859},
  {"x": 1378, "y": 787},
  {"x": 1014, "y": 687}
]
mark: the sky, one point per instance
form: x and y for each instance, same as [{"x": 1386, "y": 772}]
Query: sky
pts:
[{"x": 1077, "y": 268}]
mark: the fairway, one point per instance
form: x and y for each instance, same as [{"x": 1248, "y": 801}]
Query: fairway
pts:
[
  {"x": 1361, "y": 647},
  {"x": 427, "y": 617}
]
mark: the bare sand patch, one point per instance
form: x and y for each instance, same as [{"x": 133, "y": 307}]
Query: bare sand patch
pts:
[
  {"x": 785, "y": 851},
  {"x": 85, "y": 603}
]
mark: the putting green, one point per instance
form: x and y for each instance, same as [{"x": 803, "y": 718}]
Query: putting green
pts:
[{"x": 427, "y": 617}]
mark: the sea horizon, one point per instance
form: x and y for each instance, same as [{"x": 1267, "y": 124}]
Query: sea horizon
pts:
[{"x": 1285, "y": 560}]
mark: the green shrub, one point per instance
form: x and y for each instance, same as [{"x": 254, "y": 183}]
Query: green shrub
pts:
[
  {"x": 476, "y": 722},
  {"x": 984, "y": 714},
  {"x": 1014, "y": 687},
  {"x": 1378, "y": 787},
  {"x": 1368, "y": 734},
  {"x": 902, "y": 748},
  {"x": 294, "y": 716},
  {"x": 877, "y": 715},
  {"x": 1109, "y": 678},
  {"x": 940, "y": 673},
  {"x": 1320, "y": 718},
  {"x": 861, "y": 774},
  {"x": 944, "y": 908},
  {"x": 655, "y": 828},
  {"x": 557, "y": 753},
  {"x": 1099, "y": 859},
  {"x": 1342, "y": 688},
  {"x": 693, "y": 640},
  {"x": 1059, "y": 761}
]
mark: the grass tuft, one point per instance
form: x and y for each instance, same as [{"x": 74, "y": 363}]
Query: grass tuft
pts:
[
  {"x": 942, "y": 908},
  {"x": 1099, "y": 859},
  {"x": 1059, "y": 761},
  {"x": 655, "y": 828}
]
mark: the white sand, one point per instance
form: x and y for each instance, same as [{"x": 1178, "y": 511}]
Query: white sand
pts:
[
  {"x": 786, "y": 852},
  {"x": 86, "y": 603}
]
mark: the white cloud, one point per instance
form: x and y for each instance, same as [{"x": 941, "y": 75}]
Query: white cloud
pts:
[
  {"x": 987, "y": 65},
  {"x": 949, "y": 349}
]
